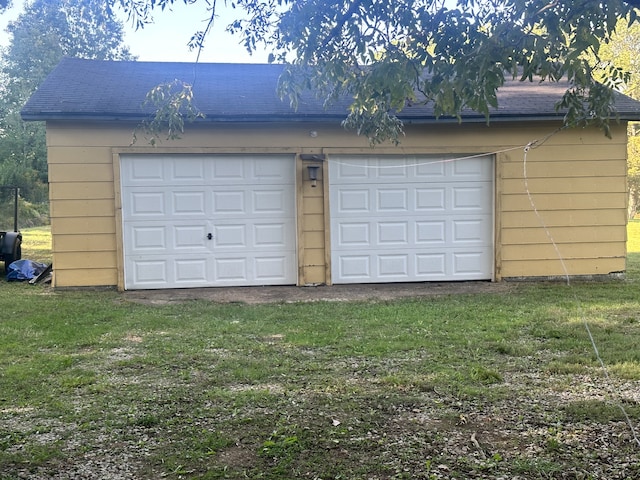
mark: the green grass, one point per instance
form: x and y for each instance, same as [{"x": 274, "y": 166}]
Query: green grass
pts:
[
  {"x": 36, "y": 244},
  {"x": 455, "y": 386}
]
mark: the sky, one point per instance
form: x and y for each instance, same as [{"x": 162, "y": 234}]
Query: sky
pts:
[{"x": 166, "y": 39}]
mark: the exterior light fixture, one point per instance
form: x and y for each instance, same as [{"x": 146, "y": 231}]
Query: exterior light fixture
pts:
[
  {"x": 313, "y": 167},
  {"x": 313, "y": 174}
]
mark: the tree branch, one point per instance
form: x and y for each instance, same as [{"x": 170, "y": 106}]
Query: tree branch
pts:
[{"x": 335, "y": 31}]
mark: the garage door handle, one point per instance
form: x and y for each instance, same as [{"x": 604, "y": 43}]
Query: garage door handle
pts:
[{"x": 209, "y": 236}]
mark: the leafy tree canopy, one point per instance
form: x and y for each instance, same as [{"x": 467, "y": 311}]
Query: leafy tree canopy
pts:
[
  {"x": 46, "y": 31},
  {"x": 455, "y": 54},
  {"x": 49, "y": 29},
  {"x": 624, "y": 51}
]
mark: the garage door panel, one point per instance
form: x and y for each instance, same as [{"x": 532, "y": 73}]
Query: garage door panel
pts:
[
  {"x": 412, "y": 199},
  {"x": 394, "y": 234},
  {"x": 271, "y": 268},
  {"x": 346, "y": 170},
  {"x": 392, "y": 266},
  {"x": 393, "y": 200},
  {"x": 269, "y": 170},
  {"x": 146, "y": 204},
  {"x": 469, "y": 168},
  {"x": 144, "y": 171},
  {"x": 271, "y": 235},
  {"x": 431, "y": 232},
  {"x": 354, "y": 268},
  {"x": 411, "y": 169},
  {"x": 166, "y": 239},
  {"x": 188, "y": 203},
  {"x": 148, "y": 272},
  {"x": 389, "y": 169},
  {"x": 470, "y": 231},
  {"x": 354, "y": 234},
  {"x": 230, "y": 236},
  {"x": 422, "y": 266},
  {"x": 470, "y": 264},
  {"x": 177, "y": 170},
  {"x": 152, "y": 203},
  {"x": 189, "y": 237},
  {"x": 157, "y": 271},
  {"x": 430, "y": 219},
  {"x": 228, "y": 202},
  {"x": 352, "y": 200},
  {"x": 255, "y": 270},
  {"x": 429, "y": 170},
  {"x": 151, "y": 238},
  {"x": 269, "y": 202},
  {"x": 186, "y": 169},
  {"x": 191, "y": 271},
  {"x": 411, "y": 234},
  {"x": 431, "y": 199},
  {"x": 470, "y": 198},
  {"x": 227, "y": 172},
  {"x": 431, "y": 265},
  {"x": 264, "y": 235},
  {"x": 230, "y": 270},
  {"x": 241, "y": 170},
  {"x": 198, "y": 220}
]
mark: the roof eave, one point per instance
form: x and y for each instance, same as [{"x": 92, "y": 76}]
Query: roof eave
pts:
[{"x": 297, "y": 118}]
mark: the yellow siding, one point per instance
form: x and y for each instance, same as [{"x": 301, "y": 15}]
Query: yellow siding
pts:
[
  {"x": 86, "y": 208},
  {"x": 559, "y": 218},
  {"x": 540, "y": 235},
  {"x": 80, "y": 173},
  {"x": 560, "y": 201},
  {"x": 565, "y": 185},
  {"x": 565, "y": 251},
  {"x": 63, "y": 153},
  {"x": 85, "y": 243},
  {"x": 558, "y": 169},
  {"x": 314, "y": 222},
  {"x": 85, "y": 225},
  {"x": 314, "y": 239},
  {"x": 78, "y": 260},
  {"x": 575, "y": 196},
  {"x": 312, "y": 246},
  {"x": 552, "y": 267},
  {"x": 88, "y": 190},
  {"x": 97, "y": 278},
  {"x": 576, "y": 183}
]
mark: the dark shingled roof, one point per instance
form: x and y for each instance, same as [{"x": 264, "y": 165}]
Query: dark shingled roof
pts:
[{"x": 108, "y": 90}]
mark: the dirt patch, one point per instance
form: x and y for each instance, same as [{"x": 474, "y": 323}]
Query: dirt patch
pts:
[{"x": 334, "y": 293}]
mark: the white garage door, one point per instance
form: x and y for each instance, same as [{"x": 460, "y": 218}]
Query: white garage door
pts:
[
  {"x": 410, "y": 218},
  {"x": 208, "y": 220}
]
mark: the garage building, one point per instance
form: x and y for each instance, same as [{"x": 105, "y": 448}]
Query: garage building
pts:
[{"x": 256, "y": 193}]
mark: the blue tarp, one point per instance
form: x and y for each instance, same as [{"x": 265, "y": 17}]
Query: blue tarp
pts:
[{"x": 24, "y": 270}]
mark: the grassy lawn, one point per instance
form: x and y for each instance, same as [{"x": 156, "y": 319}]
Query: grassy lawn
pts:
[
  {"x": 499, "y": 386},
  {"x": 36, "y": 244}
]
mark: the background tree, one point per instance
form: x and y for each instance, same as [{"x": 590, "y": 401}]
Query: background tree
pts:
[
  {"x": 386, "y": 54},
  {"x": 46, "y": 31},
  {"x": 624, "y": 50}
]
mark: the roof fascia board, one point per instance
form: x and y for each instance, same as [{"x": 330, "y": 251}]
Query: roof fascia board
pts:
[{"x": 107, "y": 117}]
